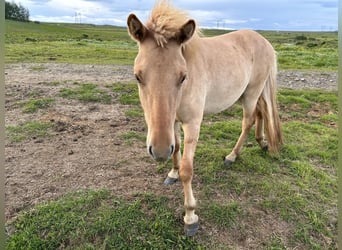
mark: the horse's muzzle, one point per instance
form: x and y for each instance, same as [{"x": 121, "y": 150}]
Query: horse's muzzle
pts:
[{"x": 161, "y": 154}]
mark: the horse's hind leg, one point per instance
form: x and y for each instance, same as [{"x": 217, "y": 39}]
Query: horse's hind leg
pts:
[
  {"x": 259, "y": 131},
  {"x": 248, "y": 120},
  {"x": 173, "y": 175}
]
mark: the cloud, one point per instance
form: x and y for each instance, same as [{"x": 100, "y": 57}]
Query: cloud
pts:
[
  {"x": 237, "y": 14},
  {"x": 85, "y": 7}
]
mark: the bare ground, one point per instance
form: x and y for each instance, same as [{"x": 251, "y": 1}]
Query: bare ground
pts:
[{"x": 86, "y": 149}]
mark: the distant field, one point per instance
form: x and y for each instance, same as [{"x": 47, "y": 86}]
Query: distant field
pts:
[{"x": 90, "y": 44}]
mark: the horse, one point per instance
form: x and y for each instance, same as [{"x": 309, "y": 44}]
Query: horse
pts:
[{"x": 183, "y": 75}]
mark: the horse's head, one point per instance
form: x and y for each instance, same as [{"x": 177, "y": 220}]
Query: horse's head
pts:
[{"x": 161, "y": 71}]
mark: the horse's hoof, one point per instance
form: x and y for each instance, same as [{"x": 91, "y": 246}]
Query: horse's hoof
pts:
[
  {"x": 170, "y": 181},
  {"x": 191, "y": 230},
  {"x": 227, "y": 163}
]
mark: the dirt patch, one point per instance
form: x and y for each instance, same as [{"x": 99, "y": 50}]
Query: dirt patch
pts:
[{"x": 86, "y": 149}]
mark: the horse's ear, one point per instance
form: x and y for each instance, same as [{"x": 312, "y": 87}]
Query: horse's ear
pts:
[
  {"x": 135, "y": 28},
  {"x": 186, "y": 32}
]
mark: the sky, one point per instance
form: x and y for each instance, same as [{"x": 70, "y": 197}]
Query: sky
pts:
[{"x": 292, "y": 15}]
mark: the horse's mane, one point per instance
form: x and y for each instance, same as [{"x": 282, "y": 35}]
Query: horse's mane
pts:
[{"x": 165, "y": 21}]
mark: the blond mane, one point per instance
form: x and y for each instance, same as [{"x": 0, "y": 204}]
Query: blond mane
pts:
[{"x": 165, "y": 21}]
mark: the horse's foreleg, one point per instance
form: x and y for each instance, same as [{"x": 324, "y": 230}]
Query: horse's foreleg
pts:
[
  {"x": 173, "y": 175},
  {"x": 186, "y": 173},
  {"x": 247, "y": 123}
]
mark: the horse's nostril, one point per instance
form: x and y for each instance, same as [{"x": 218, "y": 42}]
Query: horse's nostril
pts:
[{"x": 150, "y": 150}]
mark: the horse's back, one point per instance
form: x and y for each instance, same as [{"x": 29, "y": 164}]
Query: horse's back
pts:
[
  {"x": 249, "y": 41},
  {"x": 234, "y": 61}
]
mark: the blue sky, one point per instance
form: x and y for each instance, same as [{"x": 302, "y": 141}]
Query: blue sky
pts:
[{"x": 303, "y": 15}]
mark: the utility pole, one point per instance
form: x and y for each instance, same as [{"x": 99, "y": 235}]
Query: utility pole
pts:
[{"x": 78, "y": 16}]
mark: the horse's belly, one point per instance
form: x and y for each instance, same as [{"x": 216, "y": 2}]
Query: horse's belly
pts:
[
  {"x": 215, "y": 105},
  {"x": 219, "y": 99}
]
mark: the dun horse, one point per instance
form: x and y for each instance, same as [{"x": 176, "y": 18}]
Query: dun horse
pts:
[{"x": 182, "y": 76}]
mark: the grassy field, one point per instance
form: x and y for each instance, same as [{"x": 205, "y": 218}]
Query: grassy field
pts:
[
  {"x": 291, "y": 197},
  {"x": 74, "y": 43},
  {"x": 296, "y": 189}
]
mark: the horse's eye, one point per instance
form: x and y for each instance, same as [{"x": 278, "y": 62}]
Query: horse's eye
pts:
[
  {"x": 182, "y": 79},
  {"x": 138, "y": 78}
]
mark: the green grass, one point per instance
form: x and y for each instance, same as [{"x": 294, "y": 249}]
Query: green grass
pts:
[
  {"x": 97, "y": 220},
  {"x": 295, "y": 191},
  {"x": 137, "y": 113},
  {"x": 68, "y": 43},
  {"x": 127, "y": 93},
  {"x": 87, "y": 93},
  {"x": 309, "y": 104},
  {"x": 28, "y": 130},
  {"x": 33, "y": 105},
  {"x": 223, "y": 215},
  {"x": 305, "y": 50},
  {"x": 132, "y": 136},
  {"x": 90, "y": 44}
]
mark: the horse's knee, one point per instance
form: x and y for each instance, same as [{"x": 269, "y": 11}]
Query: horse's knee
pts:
[
  {"x": 185, "y": 174},
  {"x": 185, "y": 171}
]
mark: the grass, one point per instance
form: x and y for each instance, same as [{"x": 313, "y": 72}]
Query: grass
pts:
[
  {"x": 127, "y": 93},
  {"x": 68, "y": 43},
  {"x": 223, "y": 215},
  {"x": 97, "y": 220},
  {"x": 90, "y": 44},
  {"x": 294, "y": 192},
  {"x": 33, "y": 105},
  {"x": 86, "y": 93},
  {"x": 304, "y": 50},
  {"x": 28, "y": 130},
  {"x": 132, "y": 136}
]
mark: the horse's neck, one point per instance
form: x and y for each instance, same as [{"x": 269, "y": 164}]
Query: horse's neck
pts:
[{"x": 192, "y": 50}]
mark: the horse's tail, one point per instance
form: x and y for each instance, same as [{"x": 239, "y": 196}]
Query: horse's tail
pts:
[{"x": 267, "y": 107}]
